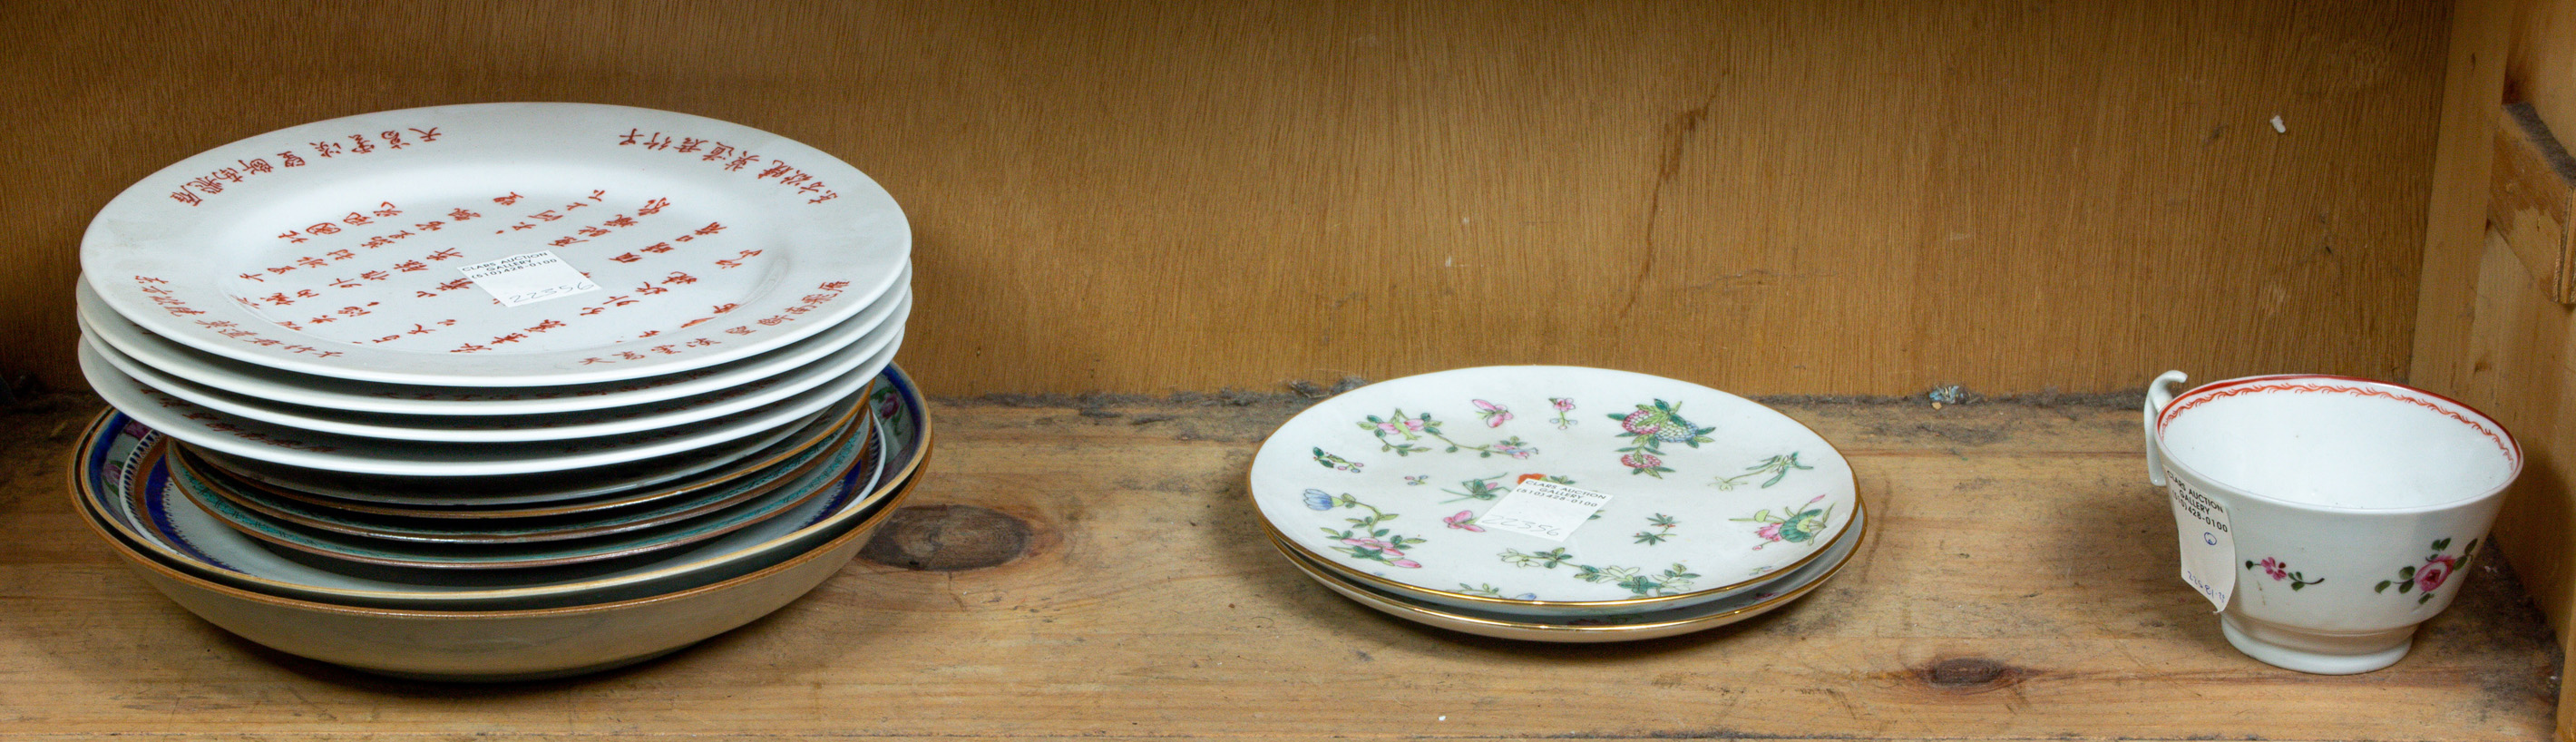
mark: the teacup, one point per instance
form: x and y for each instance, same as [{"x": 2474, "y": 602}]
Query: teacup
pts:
[{"x": 2355, "y": 507}]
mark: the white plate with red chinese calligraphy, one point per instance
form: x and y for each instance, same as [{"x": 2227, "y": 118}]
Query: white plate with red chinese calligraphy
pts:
[
  {"x": 866, "y": 357},
  {"x": 279, "y": 444},
  {"x": 498, "y": 245},
  {"x": 310, "y": 390},
  {"x": 1709, "y": 494}
]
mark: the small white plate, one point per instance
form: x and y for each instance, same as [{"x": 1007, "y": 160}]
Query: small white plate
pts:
[
  {"x": 865, "y": 358},
  {"x": 279, "y": 444},
  {"x": 1710, "y": 494},
  {"x": 1593, "y": 629},
  {"x": 342, "y": 247},
  {"x": 288, "y": 387}
]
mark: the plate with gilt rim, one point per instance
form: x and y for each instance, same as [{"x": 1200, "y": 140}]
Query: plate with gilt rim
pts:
[
  {"x": 1708, "y": 494},
  {"x": 461, "y": 552},
  {"x": 583, "y": 523},
  {"x": 1653, "y": 624},
  {"x": 121, "y": 482}
]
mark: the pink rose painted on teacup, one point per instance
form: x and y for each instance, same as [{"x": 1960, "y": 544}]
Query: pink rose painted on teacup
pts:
[
  {"x": 2435, "y": 572},
  {"x": 2437, "y": 569}
]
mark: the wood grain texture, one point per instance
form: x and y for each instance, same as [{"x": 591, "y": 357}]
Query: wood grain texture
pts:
[
  {"x": 2533, "y": 198},
  {"x": 2019, "y": 584},
  {"x": 2455, "y": 223},
  {"x": 2490, "y": 327},
  {"x": 1771, "y": 197},
  {"x": 2540, "y": 56}
]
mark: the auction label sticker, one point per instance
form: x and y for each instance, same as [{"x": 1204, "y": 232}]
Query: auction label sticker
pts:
[
  {"x": 1544, "y": 509},
  {"x": 528, "y": 278},
  {"x": 2208, "y": 547}
]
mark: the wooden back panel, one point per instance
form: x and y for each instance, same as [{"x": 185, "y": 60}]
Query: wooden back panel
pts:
[{"x": 1129, "y": 196}]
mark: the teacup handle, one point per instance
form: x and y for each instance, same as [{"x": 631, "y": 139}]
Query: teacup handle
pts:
[{"x": 2159, "y": 393}]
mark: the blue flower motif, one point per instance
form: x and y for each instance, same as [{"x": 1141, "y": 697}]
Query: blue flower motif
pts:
[{"x": 1319, "y": 500}]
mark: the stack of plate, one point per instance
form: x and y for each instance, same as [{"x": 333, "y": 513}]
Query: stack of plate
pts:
[
  {"x": 496, "y": 391},
  {"x": 1557, "y": 503}
]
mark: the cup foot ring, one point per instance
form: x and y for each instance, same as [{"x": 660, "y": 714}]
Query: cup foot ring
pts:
[{"x": 2316, "y": 653}]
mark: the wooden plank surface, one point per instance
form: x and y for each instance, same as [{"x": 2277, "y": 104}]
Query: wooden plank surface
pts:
[
  {"x": 2020, "y": 586},
  {"x": 2490, "y": 325},
  {"x": 1783, "y": 196},
  {"x": 2533, "y": 197},
  {"x": 2455, "y": 222}
]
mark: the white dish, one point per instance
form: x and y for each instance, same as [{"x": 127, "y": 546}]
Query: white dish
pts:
[
  {"x": 341, "y": 453},
  {"x": 516, "y": 643},
  {"x": 472, "y": 523},
  {"x": 806, "y": 485},
  {"x": 863, "y": 358},
  {"x": 289, "y": 387},
  {"x": 629, "y": 481},
  {"x": 125, "y": 491},
  {"x": 1655, "y": 624},
  {"x": 1711, "y": 495},
  {"x": 334, "y": 248}
]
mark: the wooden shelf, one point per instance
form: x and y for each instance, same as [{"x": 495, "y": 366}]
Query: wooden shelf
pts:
[{"x": 2020, "y": 586}]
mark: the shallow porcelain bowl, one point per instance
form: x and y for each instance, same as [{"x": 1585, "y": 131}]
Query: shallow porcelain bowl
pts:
[
  {"x": 505, "y": 645},
  {"x": 1396, "y": 485},
  {"x": 905, "y": 426},
  {"x": 1630, "y": 627}
]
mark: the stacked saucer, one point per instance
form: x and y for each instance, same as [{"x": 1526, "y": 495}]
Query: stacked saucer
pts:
[
  {"x": 1557, "y": 503},
  {"x": 420, "y": 391}
]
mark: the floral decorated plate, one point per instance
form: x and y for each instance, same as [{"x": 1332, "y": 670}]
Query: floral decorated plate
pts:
[
  {"x": 503, "y": 244},
  {"x": 1654, "y": 624},
  {"x": 1483, "y": 488},
  {"x": 863, "y": 358},
  {"x": 311, "y": 449},
  {"x": 123, "y": 483},
  {"x": 288, "y": 387}
]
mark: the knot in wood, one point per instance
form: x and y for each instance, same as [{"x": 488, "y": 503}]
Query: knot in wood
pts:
[
  {"x": 948, "y": 538},
  {"x": 1967, "y": 672}
]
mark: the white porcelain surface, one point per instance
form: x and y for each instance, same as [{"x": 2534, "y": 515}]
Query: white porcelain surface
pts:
[
  {"x": 1654, "y": 624},
  {"x": 333, "y": 248},
  {"x": 429, "y": 553},
  {"x": 1712, "y": 494},
  {"x": 122, "y": 488},
  {"x": 288, "y": 387},
  {"x": 2356, "y": 507},
  {"x": 542, "y": 522},
  {"x": 514, "y": 644},
  {"x": 274, "y": 443},
  {"x": 863, "y": 358},
  {"x": 663, "y": 474}
]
